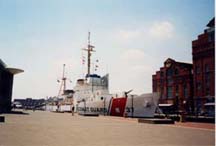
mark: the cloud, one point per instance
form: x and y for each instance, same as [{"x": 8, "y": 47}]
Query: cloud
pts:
[
  {"x": 133, "y": 55},
  {"x": 136, "y": 61},
  {"x": 145, "y": 34},
  {"x": 162, "y": 30},
  {"x": 129, "y": 34},
  {"x": 132, "y": 71}
]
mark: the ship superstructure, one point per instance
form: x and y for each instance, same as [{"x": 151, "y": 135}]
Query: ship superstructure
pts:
[{"x": 92, "y": 88}]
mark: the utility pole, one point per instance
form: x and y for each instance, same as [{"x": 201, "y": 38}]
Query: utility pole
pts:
[{"x": 132, "y": 106}]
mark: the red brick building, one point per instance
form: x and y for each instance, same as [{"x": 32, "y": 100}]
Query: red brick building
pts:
[
  {"x": 174, "y": 82},
  {"x": 203, "y": 51}
]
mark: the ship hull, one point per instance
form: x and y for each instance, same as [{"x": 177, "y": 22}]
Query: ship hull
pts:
[
  {"x": 141, "y": 106},
  {"x": 133, "y": 106},
  {"x": 100, "y": 107}
]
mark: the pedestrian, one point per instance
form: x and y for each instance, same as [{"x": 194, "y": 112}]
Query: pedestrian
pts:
[
  {"x": 58, "y": 107},
  {"x": 72, "y": 110}
]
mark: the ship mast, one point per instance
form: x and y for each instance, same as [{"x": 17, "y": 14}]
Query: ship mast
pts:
[
  {"x": 89, "y": 49},
  {"x": 63, "y": 82}
]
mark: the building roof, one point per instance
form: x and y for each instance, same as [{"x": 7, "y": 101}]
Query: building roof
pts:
[
  {"x": 171, "y": 61},
  {"x": 211, "y": 23},
  {"x": 9, "y": 69},
  {"x": 183, "y": 63},
  {"x": 2, "y": 63},
  {"x": 14, "y": 70}
]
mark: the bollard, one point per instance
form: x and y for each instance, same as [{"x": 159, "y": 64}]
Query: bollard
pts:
[{"x": 182, "y": 118}]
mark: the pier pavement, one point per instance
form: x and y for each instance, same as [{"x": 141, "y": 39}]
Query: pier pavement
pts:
[{"x": 42, "y": 128}]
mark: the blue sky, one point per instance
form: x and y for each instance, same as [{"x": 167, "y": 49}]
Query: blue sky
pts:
[{"x": 132, "y": 39}]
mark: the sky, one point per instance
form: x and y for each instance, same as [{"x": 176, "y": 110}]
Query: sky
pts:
[{"x": 132, "y": 40}]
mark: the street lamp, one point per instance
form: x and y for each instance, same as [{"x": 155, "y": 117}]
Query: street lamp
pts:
[
  {"x": 177, "y": 103},
  {"x": 104, "y": 102},
  {"x": 132, "y": 106},
  {"x": 104, "y": 105},
  {"x": 84, "y": 101}
]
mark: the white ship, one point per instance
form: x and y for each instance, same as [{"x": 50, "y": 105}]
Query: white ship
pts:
[
  {"x": 92, "y": 97},
  {"x": 93, "y": 88},
  {"x": 63, "y": 102}
]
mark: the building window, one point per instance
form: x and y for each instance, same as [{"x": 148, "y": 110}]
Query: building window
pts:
[
  {"x": 206, "y": 68},
  {"x": 185, "y": 91},
  {"x": 207, "y": 79},
  {"x": 170, "y": 81},
  {"x": 176, "y": 71},
  {"x": 207, "y": 75},
  {"x": 197, "y": 70},
  {"x": 169, "y": 92},
  {"x": 198, "y": 85},
  {"x": 161, "y": 82},
  {"x": 161, "y": 93},
  {"x": 169, "y": 72},
  {"x": 161, "y": 74},
  {"x": 177, "y": 90},
  {"x": 207, "y": 91},
  {"x": 211, "y": 36}
]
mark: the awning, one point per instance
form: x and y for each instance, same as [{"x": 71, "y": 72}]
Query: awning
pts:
[
  {"x": 165, "y": 105},
  {"x": 14, "y": 70},
  {"x": 210, "y": 104}
]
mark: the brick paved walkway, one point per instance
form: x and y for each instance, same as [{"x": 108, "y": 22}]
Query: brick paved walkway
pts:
[
  {"x": 198, "y": 125},
  {"x": 61, "y": 129}
]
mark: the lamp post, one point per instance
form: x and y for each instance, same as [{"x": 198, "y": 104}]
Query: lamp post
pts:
[
  {"x": 104, "y": 106},
  {"x": 132, "y": 106},
  {"x": 84, "y": 102},
  {"x": 177, "y": 103}
]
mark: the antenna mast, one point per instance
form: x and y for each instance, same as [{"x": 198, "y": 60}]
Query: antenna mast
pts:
[{"x": 89, "y": 50}]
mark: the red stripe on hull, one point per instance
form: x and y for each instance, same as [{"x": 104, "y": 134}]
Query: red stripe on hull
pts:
[{"x": 118, "y": 106}]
